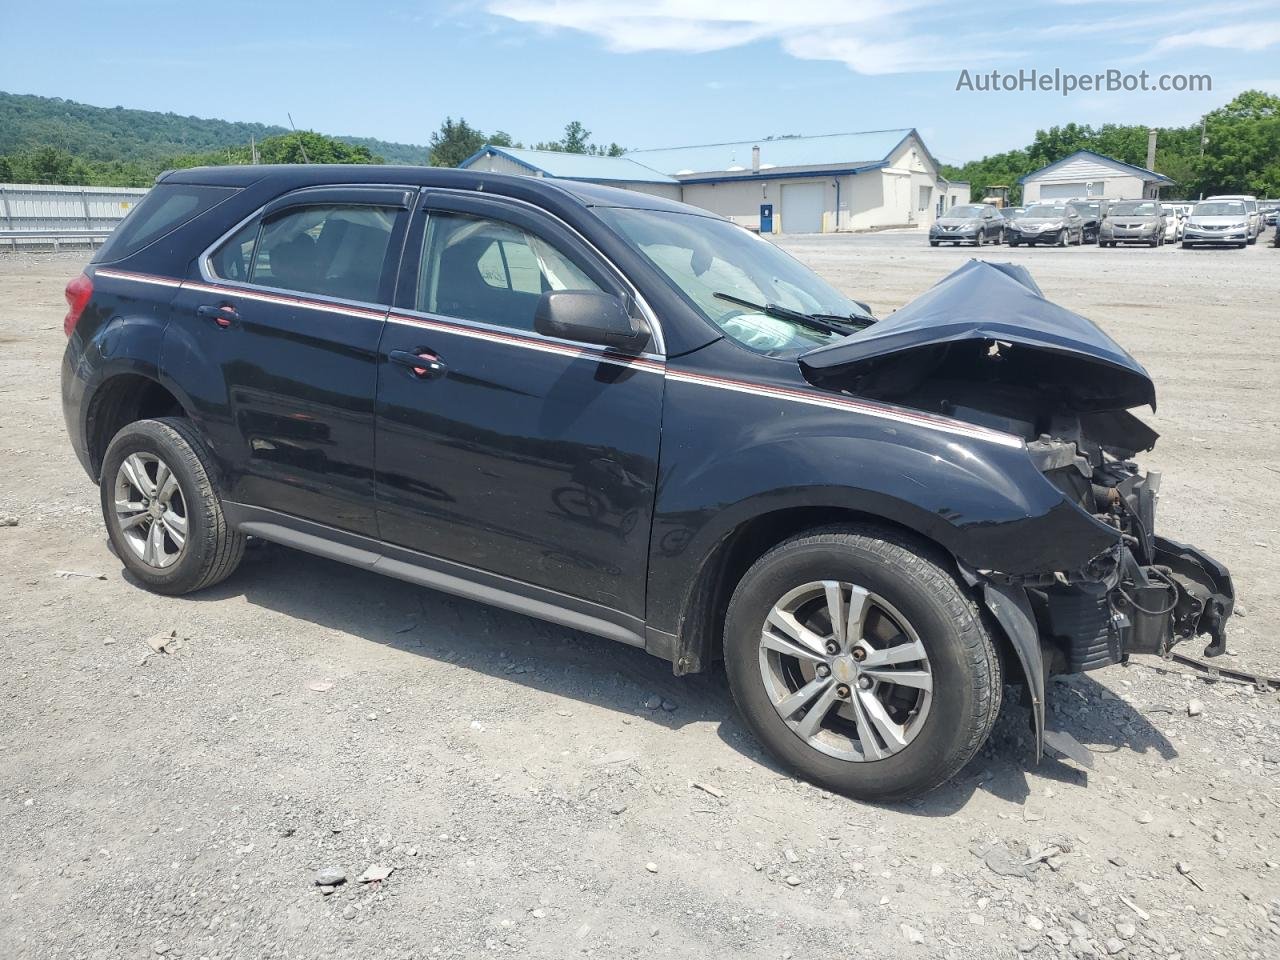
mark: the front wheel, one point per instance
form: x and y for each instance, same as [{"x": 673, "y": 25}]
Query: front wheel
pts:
[
  {"x": 1063, "y": 238},
  {"x": 162, "y": 514},
  {"x": 858, "y": 661}
]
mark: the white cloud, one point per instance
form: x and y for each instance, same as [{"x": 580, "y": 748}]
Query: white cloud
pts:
[
  {"x": 1244, "y": 36},
  {"x": 882, "y": 36},
  {"x": 871, "y": 37}
]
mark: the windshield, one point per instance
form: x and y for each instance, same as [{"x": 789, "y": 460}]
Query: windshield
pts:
[
  {"x": 1087, "y": 209},
  {"x": 1045, "y": 211},
  {"x": 709, "y": 260},
  {"x": 1133, "y": 209},
  {"x": 1219, "y": 208},
  {"x": 965, "y": 213}
]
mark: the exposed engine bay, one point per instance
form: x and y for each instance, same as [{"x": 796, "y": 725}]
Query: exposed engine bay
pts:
[
  {"x": 985, "y": 347},
  {"x": 1142, "y": 597}
]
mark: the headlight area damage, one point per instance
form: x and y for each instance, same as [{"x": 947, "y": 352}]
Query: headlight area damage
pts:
[{"x": 985, "y": 346}]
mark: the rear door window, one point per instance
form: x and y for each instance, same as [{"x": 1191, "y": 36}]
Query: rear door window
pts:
[
  {"x": 335, "y": 250},
  {"x": 167, "y": 207}
]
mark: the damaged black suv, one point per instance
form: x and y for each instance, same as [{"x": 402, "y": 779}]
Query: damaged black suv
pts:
[{"x": 628, "y": 416}]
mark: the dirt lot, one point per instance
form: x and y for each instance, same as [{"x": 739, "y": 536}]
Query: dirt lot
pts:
[{"x": 528, "y": 800}]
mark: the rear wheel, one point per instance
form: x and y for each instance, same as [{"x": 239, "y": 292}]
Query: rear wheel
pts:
[
  {"x": 860, "y": 664},
  {"x": 163, "y": 517}
]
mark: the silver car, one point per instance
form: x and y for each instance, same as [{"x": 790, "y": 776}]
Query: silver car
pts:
[
  {"x": 1250, "y": 209},
  {"x": 1133, "y": 221},
  {"x": 975, "y": 223},
  {"x": 1218, "y": 222}
]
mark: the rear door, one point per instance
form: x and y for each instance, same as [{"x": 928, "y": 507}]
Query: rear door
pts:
[
  {"x": 277, "y": 344},
  {"x": 530, "y": 457}
]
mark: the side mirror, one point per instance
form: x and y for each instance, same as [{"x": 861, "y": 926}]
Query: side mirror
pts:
[{"x": 589, "y": 317}]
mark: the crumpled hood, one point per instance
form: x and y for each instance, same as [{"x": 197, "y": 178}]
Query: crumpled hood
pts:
[{"x": 997, "y": 303}]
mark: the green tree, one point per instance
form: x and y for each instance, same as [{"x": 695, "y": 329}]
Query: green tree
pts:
[
  {"x": 454, "y": 142},
  {"x": 1242, "y": 149},
  {"x": 577, "y": 138}
]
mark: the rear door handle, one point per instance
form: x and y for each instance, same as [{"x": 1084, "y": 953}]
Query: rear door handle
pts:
[
  {"x": 423, "y": 364},
  {"x": 223, "y": 314}
]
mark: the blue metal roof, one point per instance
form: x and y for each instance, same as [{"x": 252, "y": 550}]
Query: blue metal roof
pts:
[
  {"x": 1143, "y": 172},
  {"x": 718, "y": 159},
  {"x": 574, "y": 166}
]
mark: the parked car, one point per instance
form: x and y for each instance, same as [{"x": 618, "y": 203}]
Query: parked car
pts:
[
  {"x": 1046, "y": 223},
  {"x": 975, "y": 223},
  {"x": 1269, "y": 211},
  {"x": 1011, "y": 213},
  {"x": 1092, "y": 211},
  {"x": 1251, "y": 208},
  {"x": 1172, "y": 223},
  {"x": 627, "y": 415},
  {"x": 1134, "y": 221},
  {"x": 1217, "y": 222}
]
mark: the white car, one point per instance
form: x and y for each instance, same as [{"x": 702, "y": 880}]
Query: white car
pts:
[
  {"x": 1172, "y": 223},
  {"x": 1218, "y": 222},
  {"x": 1251, "y": 208}
]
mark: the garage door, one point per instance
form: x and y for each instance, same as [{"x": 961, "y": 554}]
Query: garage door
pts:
[
  {"x": 1063, "y": 191},
  {"x": 802, "y": 207}
]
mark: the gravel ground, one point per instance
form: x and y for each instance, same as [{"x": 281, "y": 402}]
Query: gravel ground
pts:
[{"x": 538, "y": 792}]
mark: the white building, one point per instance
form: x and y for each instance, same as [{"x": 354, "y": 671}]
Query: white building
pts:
[
  {"x": 1088, "y": 174},
  {"x": 845, "y": 181}
]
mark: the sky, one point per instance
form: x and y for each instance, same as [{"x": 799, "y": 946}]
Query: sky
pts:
[{"x": 643, "y": 74}]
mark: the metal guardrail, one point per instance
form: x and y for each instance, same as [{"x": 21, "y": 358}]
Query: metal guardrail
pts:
[
  {"x": 36, "y": 215},
  {"x": 15, "y": 240}
]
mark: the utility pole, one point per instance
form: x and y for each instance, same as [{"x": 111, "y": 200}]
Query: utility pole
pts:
[
  {"x": 1152, "y": 133},
  {"x": 301, "y": 146},
  {"x": 253, "y": 149}
]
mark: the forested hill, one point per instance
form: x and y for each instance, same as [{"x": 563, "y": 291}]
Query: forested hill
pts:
[{"x": 144, "y": 137}]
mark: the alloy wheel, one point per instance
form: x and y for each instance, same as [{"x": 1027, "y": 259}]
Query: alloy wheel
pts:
[
  {"x": 150, "y": 510},
  {"x": 845, "y": 671}
]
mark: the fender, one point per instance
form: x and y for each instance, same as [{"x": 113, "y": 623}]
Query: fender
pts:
[
  {"x": 122, "y": 335},
  {"x": 985, "y": 504}
]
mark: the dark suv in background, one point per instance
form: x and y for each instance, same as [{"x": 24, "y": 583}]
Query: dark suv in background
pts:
[{"x": 627, "y": 416}]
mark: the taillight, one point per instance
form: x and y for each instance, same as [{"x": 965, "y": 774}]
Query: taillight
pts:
[{"x": 77, "y": 293}]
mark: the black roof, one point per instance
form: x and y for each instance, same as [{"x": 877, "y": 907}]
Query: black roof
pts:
[{"x": 547, "y": 190}]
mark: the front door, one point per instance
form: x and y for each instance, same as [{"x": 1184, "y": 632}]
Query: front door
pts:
[
  {"x": 277, "y": 343},
  {"x": 525, "y": 456}
]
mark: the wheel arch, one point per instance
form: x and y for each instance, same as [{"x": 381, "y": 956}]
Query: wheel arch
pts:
[
  {"x": 120, "y": 399},
  {"x": 699, "y": 638}
]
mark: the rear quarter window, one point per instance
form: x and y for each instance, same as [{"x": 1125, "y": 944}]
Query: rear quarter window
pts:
[{"x": 163, "y": 210}]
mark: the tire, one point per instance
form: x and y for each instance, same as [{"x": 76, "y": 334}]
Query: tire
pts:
[
  {"x": 210, "y": 549},
  {"x": 913, "y": 597},
  {"x": 933, "y": 243},
  {"x": 1063, "y": 238},
  {"x": 1185, "y": 245},
  {"x": 1014, "y": 243}
]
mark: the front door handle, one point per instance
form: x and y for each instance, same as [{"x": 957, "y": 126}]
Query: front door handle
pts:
[
  {"x": 423, "y": 364},
  {"x": 223, "y": 314}
]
